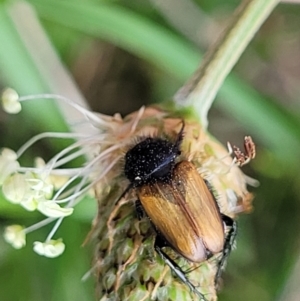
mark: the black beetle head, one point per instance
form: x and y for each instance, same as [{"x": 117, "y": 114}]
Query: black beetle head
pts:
[{"x": 151, "y": 160}]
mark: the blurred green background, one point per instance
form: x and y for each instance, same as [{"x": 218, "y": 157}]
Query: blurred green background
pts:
[{"x": 124, "y": 54}]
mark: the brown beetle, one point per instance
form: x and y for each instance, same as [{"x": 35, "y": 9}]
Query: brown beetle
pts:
[
  {"x": 179, "y": 204},
  {"x": 191, "y": 222}
]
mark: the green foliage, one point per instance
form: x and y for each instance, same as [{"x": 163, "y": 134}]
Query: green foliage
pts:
[{"x": 267, "y": 243}]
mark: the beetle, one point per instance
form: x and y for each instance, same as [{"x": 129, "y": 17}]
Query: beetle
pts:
[{"x": 179, "y": 203}]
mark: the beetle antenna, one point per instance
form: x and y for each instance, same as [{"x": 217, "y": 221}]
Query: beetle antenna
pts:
[
  {"x": 124, "y": 193},
  {"x": 179, "y": 136}
]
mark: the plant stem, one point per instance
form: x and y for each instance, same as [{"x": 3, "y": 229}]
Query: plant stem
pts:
[{"x": 200, "y": 90}]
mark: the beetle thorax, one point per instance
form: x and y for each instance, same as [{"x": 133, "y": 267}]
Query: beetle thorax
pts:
[{"x": 153, "y": 159}]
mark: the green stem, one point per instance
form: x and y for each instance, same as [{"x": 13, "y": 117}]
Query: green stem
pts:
[{"x": 201, "y": 89}]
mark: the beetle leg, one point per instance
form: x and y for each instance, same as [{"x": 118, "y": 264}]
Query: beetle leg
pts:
[
  {"x": 139, "y": 209},
  {"x": 175, "y": 268},
  {"x": 229, "y": 242}
]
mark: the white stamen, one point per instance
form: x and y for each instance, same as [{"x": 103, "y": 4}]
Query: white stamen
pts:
[
  {"x": 90, "y": 115},
  {"x": 41, "y": 136},
  {"x": 86, "y": 188},
  {"x": 39, "y": 225},
  {"x": 136, "y": 121},
  {"x": 54, "y": 229},
  {"x": 229, "y": 147}
]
